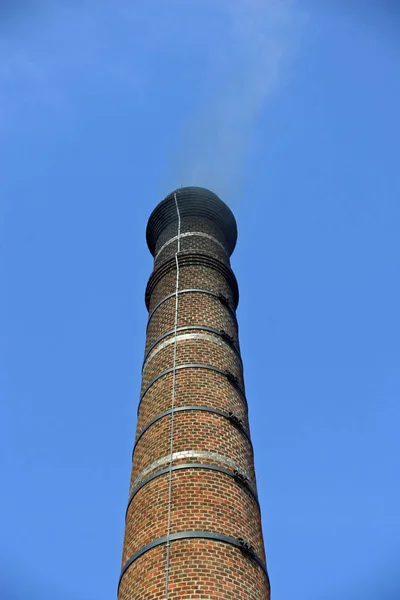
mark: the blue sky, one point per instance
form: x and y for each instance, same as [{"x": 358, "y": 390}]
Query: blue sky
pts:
[{"x": 290, "y": 111}]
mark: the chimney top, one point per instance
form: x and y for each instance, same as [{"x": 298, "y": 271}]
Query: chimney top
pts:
[{"x": 192, "y": 202}]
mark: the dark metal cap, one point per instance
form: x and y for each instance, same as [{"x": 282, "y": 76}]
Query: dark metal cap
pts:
[{"x": 192, "y": 202}]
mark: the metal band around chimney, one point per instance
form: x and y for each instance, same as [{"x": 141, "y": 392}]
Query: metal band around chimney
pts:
[
  {"x": 191, "y": 234},
  {"x": 193, "y": 456},
  {"x": 230, "y": 416},
  {"x": 238, "y": 476},
  {"x": 230, "y": 376},
  {"x": 220, "y": 297},
  {"x": 238, "y": 543},
  {"x": 219, "y": 332},
  {"x": 193, "y": 259}
]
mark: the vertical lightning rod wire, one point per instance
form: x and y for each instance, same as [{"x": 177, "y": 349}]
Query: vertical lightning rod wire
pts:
[{"x": 168, "y": 545}]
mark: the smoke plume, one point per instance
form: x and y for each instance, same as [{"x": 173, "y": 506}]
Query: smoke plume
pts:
[
  {"x": 246, "y": 70},
  {"x": 53, "y": 53}
]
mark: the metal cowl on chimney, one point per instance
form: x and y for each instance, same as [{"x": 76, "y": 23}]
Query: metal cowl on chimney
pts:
[{"x": 193, "y": 526}]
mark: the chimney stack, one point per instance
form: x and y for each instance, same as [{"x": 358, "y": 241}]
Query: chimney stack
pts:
[{"x": 193, "y": 526}]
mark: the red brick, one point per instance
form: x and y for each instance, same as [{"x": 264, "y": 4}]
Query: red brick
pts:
[{"x": 202, "y": 499}]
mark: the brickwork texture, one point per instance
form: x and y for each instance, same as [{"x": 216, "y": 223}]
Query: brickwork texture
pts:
[{"x": 193, "y": 526}]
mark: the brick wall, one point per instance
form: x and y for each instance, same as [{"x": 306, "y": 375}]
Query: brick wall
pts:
[{"x": 215, "y": 537}]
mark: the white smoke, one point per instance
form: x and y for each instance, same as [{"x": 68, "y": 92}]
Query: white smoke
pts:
[
  {"x": 246, "y": 71},
  {"x": 243, "y": 48}
]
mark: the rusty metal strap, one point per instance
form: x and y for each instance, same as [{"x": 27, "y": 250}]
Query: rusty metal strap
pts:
[
  {"x": 220, "y": 332},
  {"x": 220, "y": 297},
  {"x": 238, "y": 543},
  {"x": 230, "y": 416},
  {"x": 193, "y": 259},
  {"x": 230, "y": 376},
  {"x": 239, "y": 477},
  {"x": 191, "y": 234}
]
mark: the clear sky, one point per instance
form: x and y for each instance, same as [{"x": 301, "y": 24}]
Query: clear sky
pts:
[{"x": 291, "y": 113}]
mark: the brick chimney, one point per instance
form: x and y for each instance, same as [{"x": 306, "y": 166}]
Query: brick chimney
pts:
[{"x": 193, "y": 527}]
